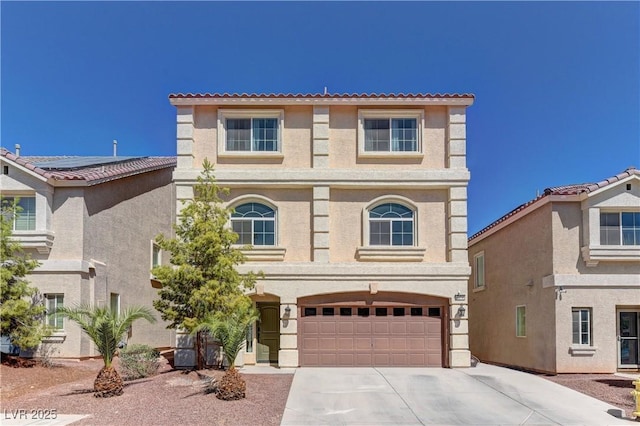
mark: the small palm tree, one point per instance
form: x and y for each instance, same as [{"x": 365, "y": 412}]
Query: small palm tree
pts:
[
  {"x": 231, "y": 331},
  {"x": 105, "y": 329}
]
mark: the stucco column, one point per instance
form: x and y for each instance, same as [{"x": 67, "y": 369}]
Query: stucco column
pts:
[
  {"x": 320, "y": 137},
  {"x": 457, "y": 212},
  {"x": 288, "y": 353},
  {"x": 459, "y": 354},
  {"x": 457, "y": 135},
  {"x": 321, "y": 224},
  {"x": 184, "y": 133}
]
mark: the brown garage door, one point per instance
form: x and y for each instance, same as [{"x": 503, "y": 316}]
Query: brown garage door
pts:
[{"x": 371, "y": 336}]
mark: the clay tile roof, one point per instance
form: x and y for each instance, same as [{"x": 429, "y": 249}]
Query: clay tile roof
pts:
[
  {"x": 573, "y": 189},
  {"x": 318, "y": 95},
  {"x": 92, "y": 170}
]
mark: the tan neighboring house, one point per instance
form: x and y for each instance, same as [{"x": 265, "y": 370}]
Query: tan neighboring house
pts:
[
  {"x": 356, "y": 208},
  {"x": 90, "y": 222},
  {"x": 555, "y": 285}
]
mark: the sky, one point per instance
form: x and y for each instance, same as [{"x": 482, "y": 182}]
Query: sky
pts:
[{"x": 557, "y": 84}]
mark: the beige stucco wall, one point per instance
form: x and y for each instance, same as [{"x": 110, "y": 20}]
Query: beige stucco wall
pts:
[
  {"x": 296, "y": 139},
  {"x": 101, "y": 244},
  {"x": 122, "y": 218},
  {"x": 293, "y": 217},
  {"x": 515, "y": 256},
  {"x": 603, "y": 303},
  {"x": 343, "y": 137},
  {"x": 346, "y": 220}
]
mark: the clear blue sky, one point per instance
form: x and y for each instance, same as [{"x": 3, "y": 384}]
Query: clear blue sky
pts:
[{"x": 556, "y": 83}]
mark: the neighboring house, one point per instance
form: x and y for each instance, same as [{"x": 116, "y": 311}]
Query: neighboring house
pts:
[
  {"x": 555, "y": 285},
  {"x": 90, "y": 222},
  {"x": 356, "y": 207}
]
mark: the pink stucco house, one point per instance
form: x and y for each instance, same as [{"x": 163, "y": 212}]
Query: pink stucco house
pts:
[
  {"x": 555, "y": 285},
  {"x": 90, "y": 222}
]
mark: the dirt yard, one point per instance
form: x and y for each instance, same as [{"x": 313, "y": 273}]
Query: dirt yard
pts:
[{"x": 171, "y": 397}]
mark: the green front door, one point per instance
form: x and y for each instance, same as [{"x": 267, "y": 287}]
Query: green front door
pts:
[{"x": 268, "y": 332}]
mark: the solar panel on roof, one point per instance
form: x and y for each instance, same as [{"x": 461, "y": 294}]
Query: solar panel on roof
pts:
[{"x": 74, "y": 163}]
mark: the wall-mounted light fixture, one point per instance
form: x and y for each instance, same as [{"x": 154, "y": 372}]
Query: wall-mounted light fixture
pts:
[
  {"x": 462, "y": 310},
  {"x": 287, "y": 310},
  {"x": 459, "y": 297}
]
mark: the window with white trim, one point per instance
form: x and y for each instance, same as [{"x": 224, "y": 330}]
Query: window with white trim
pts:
[
  {"x": 250, "y": 131},
  {"x": 620, "y": 228},
  {"x": 521, "y": 321},
  {"x": 24, "y": 217},
  {"x": 114, "y": 303},
  {"x": 478, "y": 270},
  {"x": 255, "y": 224},
  {"x": 391, "y": 224},
  {"x": 581, "y": 326},
  {"x": 53, "y": 302},
  {"x": 390, "y": 131},
  {"x": 156, "y": 255}
]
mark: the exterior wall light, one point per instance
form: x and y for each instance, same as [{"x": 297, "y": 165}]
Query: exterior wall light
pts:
[
  {"x": 461, "y": 310},
  {"x": 287, "y": 311}
]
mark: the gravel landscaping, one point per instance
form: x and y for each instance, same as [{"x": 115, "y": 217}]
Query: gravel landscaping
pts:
[{"x": 172, "y": 396}]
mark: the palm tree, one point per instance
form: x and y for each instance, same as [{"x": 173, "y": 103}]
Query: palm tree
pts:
[
  {"x": 231, "y": 331},
  {"x": 105, "y": 329}
]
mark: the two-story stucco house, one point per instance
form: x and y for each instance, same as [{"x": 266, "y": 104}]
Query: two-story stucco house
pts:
[
  {"x": 555, "y": 285},
  {"x": 90, "y": 222},
  {"x": 356, "y": 208}
]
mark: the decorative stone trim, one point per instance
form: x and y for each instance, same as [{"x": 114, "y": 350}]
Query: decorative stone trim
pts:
[
  {"x": 592, "y": 255},
  {"x": 391, "y": 254},
  {"x": 39, "y": 240},
  {"x": 579, "y": 350},
  {"x": 258, "y": 253}
]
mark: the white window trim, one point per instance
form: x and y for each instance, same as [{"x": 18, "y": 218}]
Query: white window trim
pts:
[
  {"x": 582, "y": 345},
  {"x": 418, "y": 114},
  {"x": 367, "y": 252},
  {"x": 151, "y": 266},
  {"x": 47, "y": 297},
  {"x": 525, "y": 321},
  {"x": 261, "y": 253},
  {"x": 595, "y": 252},
  {"x": 477, "y": 287},
  {"x": 223, "y": 114}
]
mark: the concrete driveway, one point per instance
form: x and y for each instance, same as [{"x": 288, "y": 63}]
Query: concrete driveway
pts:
[{"x": 484, "y": 395}]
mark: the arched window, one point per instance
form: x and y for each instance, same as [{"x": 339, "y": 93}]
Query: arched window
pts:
[
  {"x": 255, "y": 224},
  {"x": 391, "y": 224}
]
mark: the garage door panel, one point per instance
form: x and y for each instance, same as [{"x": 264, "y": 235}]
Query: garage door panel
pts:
[
  {"x": 310, "y": 344},
  {"x": 399, "y": 343},
  {"x": 345, "y": 344},
  {"x": 381, "y": 343},
  {"x": 380, "y": 327},
  {"x": 362, "y": 327},
  {"x": 327, "y": 343},
  {"x": 398, "y": 327},
  {"x": 345, "y": 327},
  {"x": 416, "y": 327},
  {"x": 416, "y": 344},
  {"x": 362, "y": 343},
  {"x": 327, "y": 328},
  {"x": 310, "y": 327},
  {"x": 343, "y": 340}
]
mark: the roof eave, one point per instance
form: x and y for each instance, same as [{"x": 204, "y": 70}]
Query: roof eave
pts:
[{"x": 446, "y": 101}]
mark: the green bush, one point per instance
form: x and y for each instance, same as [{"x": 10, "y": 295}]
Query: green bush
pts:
[{"x": 137, "y": 361}]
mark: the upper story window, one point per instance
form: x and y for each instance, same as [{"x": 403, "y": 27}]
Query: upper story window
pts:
[
  {"x": 24, "y": 218},
  {"x": 390, "y": 132},
  {"x": 255, "y": 224},
  {"x": 242, "y": 132},
  {"x": 391, "y": 224},
  {"x": 620, "y": 228},
  {"x": 478, "y": 270}
]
